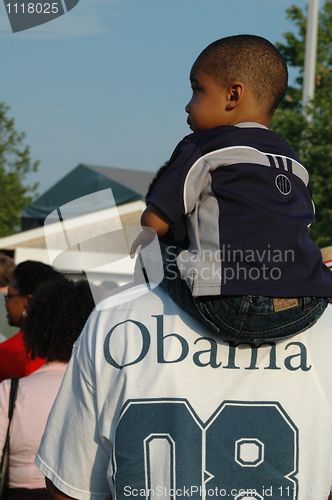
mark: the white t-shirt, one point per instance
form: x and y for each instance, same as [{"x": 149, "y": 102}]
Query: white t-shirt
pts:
[
  {"x": 35, "y": 397},
  {"x": 154, "y": 405}
]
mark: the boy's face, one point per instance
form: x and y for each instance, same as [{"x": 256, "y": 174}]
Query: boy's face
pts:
[{"x": 207, "y": 107}]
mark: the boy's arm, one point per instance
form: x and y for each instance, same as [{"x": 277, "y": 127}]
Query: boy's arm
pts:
[{"x": 153, "y": 221}]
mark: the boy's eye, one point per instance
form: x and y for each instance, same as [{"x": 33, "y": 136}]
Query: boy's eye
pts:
[{"x": 195, "y": 90}]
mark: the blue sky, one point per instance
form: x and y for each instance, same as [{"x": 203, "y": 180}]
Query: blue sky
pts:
[{"x": 107, "y": 82}]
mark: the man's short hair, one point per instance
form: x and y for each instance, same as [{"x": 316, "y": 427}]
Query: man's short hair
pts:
[
  {"x": 7, "y": 267},
  {"x": 252, "y": 60}
]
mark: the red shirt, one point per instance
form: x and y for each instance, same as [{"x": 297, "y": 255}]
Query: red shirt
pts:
[{"x": 14, "y": 361}]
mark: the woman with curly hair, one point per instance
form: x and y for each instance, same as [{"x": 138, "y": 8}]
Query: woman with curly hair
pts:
[
  {"x": 55, "y": 317},
  {"x": 27, "y": 278}
]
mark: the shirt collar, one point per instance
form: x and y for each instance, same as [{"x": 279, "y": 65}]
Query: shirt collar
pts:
[{"x": 251, "y": 125}]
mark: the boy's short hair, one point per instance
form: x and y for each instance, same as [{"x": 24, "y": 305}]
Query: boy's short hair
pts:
[{"x": 252, "y": 60}]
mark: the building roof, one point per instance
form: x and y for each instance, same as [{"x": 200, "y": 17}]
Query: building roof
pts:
[
  {"x": 127, "y": 186},
  {"x": 137, "y": 180}
]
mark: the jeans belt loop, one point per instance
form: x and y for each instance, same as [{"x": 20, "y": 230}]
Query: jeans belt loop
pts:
[
  {"x": 306, "y": 303},
  {"x": 244, "y": 307}
]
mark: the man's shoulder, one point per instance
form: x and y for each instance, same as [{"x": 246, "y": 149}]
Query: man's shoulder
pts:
[
  {"x": 150, "y": 299},
  {"x": 137, "y": 301},
  {"x": 142, "y": 311},
  {"x": 139, "y": 305},
  {"x": 133, "y": 298}
]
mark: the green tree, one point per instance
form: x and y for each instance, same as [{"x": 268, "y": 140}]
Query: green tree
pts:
[
  {"x": 15, "y": 164},
  {"x": 311, "y": 140}
]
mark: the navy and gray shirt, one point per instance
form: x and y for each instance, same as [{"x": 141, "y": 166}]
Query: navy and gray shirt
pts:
[{"x": 246, "y": 201}]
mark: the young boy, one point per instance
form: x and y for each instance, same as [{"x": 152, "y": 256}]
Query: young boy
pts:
[{"x": 250, "y": 270}]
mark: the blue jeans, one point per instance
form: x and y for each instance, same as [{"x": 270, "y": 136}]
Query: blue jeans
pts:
[{"x": 247, "y": 317}]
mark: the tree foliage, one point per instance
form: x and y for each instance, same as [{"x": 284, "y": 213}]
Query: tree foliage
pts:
[
  {"x": 311, "y": 140},
  {"x": 15, "y": 164}
]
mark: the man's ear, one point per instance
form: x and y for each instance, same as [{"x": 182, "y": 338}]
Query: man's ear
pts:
[{"x": 235, "y": 95}]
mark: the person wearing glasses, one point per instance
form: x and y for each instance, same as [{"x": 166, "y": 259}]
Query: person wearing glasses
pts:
[
  {"x": 26, "y": 280},
  {"x": 7, "y": 268},
  {"x": 57, "y": 313}
]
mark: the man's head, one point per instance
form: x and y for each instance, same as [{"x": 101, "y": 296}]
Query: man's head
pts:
[{"x": 238, "y": 78}]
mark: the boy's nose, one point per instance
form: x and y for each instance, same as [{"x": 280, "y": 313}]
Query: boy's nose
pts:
[{"x": 187, "y": 108}]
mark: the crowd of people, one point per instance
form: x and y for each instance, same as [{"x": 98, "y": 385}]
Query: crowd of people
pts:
[{"x": 49, "y": 311}]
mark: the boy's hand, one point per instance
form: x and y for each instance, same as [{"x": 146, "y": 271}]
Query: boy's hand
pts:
[
  {"x": 143, "y": 239},
  {"x": 153, "y": 221}
]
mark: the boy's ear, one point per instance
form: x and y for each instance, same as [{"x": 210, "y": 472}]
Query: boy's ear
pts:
[{"x": 235, "y": 95}]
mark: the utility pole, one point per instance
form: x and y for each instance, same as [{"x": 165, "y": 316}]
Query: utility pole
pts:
[{"x": 310, "y": 55}]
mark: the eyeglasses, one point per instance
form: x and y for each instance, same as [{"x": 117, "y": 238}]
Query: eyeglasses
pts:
[{"x": 9, "y": 296}]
